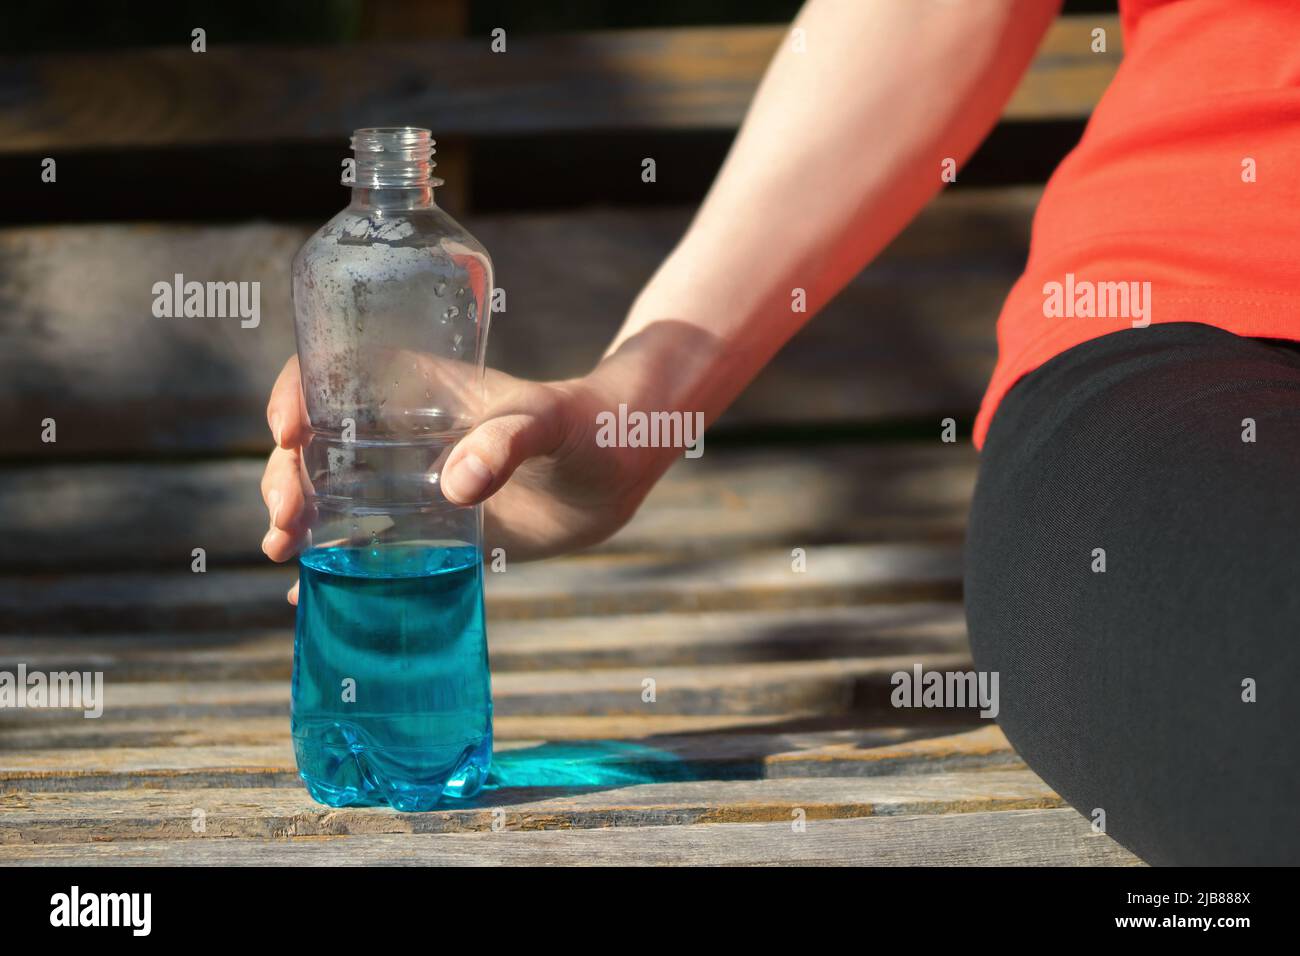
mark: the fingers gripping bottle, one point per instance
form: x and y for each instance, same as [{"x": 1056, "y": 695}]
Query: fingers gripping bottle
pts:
[{"x": 392, "y": 701}]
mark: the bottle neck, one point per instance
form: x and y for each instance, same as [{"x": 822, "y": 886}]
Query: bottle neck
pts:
[{"x": 395, "y": 198}]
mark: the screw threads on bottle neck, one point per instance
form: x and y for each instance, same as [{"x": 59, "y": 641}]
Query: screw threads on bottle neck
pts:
[{"x": 395, "y": 157}]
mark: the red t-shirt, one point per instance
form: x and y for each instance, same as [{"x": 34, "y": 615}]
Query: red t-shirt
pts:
[{"x": 1181, "y": 202}]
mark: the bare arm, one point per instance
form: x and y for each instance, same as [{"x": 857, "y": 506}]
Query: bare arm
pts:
[{"x": 842, "y": 146}]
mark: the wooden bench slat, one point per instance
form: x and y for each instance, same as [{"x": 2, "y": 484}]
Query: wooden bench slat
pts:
[
  {"x": 830, "y": 686},
  {"x": 70, "y": 516},
  {"x": 911, "y": 338},
  {"x": 684, "y": 78},
  {"x": 561, "y": 587},
  {"x": 141, "y": 732},
  {"x": 647, "y": 640},
  {"x": 1058, "y": 837},
  {"x": 290, "y": 812},
  {"x": 858, "y": 752}
]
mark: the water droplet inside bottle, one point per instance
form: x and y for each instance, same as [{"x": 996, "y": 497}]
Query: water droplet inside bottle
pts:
[
  {"x": 460, "y": 293},
  {"x": 451, "y": 313},
  {"x": 440, "y": 288}
]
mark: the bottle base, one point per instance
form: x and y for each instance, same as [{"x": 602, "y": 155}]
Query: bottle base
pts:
[{"x": 410, "y": 780}]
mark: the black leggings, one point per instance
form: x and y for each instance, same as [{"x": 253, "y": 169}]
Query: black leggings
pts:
[{"x": 1124, "y": 689}]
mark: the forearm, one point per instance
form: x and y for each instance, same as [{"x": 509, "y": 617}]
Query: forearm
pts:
[{"x": 842, "y": 146}]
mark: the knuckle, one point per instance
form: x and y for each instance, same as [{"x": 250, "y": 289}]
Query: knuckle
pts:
[{"x": 494, "y": 442}]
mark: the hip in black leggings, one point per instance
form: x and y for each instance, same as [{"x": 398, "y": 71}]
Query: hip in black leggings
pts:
[{"x": 1161, "y": 690}]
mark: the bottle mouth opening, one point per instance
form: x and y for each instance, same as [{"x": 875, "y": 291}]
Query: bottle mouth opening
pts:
[{"x": 393, "y": 157}]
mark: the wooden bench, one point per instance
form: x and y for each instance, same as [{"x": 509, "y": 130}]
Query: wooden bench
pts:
[{"x": 771, "y": 738}]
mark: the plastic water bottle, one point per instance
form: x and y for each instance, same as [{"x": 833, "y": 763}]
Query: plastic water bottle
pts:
[{"x": 392, "y": 699}]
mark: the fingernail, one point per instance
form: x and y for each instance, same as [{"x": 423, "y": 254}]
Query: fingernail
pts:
[
  {"x": 273, "y": 500},
  {"x": 277, "y": 425},
  {"x": 468, "y": 479}
]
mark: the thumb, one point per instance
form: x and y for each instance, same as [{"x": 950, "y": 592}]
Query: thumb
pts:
[{"x": 486, "y": 458}]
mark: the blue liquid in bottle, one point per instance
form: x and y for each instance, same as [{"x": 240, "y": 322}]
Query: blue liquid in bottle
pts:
[{"x": 392, "y": 700}]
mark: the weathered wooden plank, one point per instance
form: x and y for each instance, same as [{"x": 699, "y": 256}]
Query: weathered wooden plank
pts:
[
  {"x": 687, "y": 78},
  {"x": 562, "y": 587},
  {"x": 172, "y": 731},
  {"x": 645, "y": 640},
  {"x": 827, "y": 686},
  {"x": 82, "y": 516},
  {"x": 288, "y": 812},
  {"x": 732, "y": 755},
  {"x": 911, "y": 338},
  {"x": 1058, "y": 837}
]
